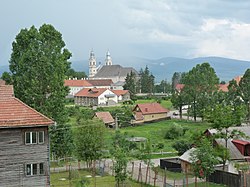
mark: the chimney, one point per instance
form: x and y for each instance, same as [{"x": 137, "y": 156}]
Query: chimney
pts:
[{"x": 146, "y": 109}]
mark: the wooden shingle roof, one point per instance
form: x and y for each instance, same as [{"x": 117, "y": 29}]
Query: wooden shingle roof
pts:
[{"x": 15, "y": 113}]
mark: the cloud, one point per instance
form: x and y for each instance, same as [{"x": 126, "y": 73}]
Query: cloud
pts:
[{"x": 223, "y": 37}]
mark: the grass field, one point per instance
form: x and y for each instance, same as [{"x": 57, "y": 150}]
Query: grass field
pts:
[
  {"x": 61, "y": 179},
  {"x": 155, "y": 131}
]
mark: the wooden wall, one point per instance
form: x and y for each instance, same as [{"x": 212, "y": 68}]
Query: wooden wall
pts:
[{"x": 14, "y": 155}]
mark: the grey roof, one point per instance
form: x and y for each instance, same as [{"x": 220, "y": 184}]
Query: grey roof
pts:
[
  {"x": 233, "y": 151},
  {"x": 119, "y": 83},
  {"x": 187, "y": 155},
  {"x": 114, "y": 70}
]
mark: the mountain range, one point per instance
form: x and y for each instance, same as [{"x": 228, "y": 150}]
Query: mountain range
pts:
[{"x": 164, "y": 68}]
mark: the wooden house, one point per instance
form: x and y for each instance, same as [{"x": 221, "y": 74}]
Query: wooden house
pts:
[
  {"x": 106, "y": 117},
  {"x": 149, "y": 112},
  {"x": 24, "y": 143}
]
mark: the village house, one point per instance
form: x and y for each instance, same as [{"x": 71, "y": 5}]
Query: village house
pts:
[
  {"x": 149, "y": 112},
  {"x": 76, "y": 85},
  {"x": 96, "y": 97},
  {"x": 123, "y": 95},
  {"x": 106, "y": 117},
  {"x": 24, "y": 142}
]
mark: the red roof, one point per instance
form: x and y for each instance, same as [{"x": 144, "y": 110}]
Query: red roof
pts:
[
  {"x": 93, "y": 92},
  {"x": 237, "y": 79},
  {"x": 15, "y": 113},
  {"x": 179, "y": 87},
  {"x": 242, "y": 142},
  {"x": 151, "y": 108},
  {"x": 77, "y": 83},
  {"x": 105, "y": 117},
  {"x": 101, "y": 82},
  {"x": 120, "y": 92},
  {"x": 223, "y": 87}
]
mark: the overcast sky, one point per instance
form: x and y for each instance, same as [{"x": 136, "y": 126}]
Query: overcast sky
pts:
[{"x": 143, "y": 28}]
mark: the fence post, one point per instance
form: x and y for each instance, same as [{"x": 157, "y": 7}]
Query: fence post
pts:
[
  {"x": 165, "y": 177},
  {"x": 133, "y": 164},
  {"x": 139, "y": 173},
  {"x": 155, "y": 177},
  {"x": 146, "y": 174}
]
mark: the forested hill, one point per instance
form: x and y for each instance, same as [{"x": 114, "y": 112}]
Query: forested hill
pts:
[{"x": 164, "y": 68}]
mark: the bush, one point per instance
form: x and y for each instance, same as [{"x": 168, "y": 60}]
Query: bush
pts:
[
  {"x": 181, "y": 146},
  {"x": 175, "y": 131}
]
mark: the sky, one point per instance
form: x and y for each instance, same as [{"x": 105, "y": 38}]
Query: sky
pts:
[{"x": 143, "y": 28}]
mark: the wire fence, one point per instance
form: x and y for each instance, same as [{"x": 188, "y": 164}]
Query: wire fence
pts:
[{"x": 137, "y": 171}]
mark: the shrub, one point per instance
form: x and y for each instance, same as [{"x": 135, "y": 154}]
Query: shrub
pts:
[
  {"x": 181, "y": 146},
  {"x": 175, "y": 131}
]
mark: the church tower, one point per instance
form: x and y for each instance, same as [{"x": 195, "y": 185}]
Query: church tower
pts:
[
  {"x": 92, "y": 64},
  {"x": 108, "y": 60}
]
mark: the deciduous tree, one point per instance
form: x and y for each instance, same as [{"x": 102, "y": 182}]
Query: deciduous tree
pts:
[
  {"x": 200, "y": 83},
  {"x": 38, "y": 64}
]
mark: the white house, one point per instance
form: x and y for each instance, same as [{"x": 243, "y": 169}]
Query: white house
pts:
[{"x": 96, "y": 97}]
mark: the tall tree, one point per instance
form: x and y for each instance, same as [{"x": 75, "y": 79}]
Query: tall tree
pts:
[
  {"x": 7, "y": 77},
  {"x": 61, "y": 137},
  {"x": 131, "y": 84},
  {"x": 38, "y": 65},
  {"x": 244, "y": 91},
  {"x": 120, "y": 153},
  {"x": 223, "y": 117},
  {"x": 163, "y": 87},
  {"x": 146, "y": 81},
  {"x": 204, "y": 159},
  {"x": 89, "y": 142},
  {"x": 200, "y": 83}
]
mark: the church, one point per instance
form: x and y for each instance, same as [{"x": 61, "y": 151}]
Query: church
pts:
[{"x": 116, "y": 73}]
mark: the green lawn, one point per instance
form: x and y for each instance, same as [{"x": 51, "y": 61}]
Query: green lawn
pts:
[
  {"x": 62, "y": 179},
  {"x": 156, "y": 131}
]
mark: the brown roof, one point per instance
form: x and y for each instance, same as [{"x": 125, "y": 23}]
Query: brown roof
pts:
[
  {"x": 151, "y": 108},
  {"x": 93, "y": 92},
  {"x": 105, "y": 117},
  {"x": 101, "y": 82},
  {"x": 15, "y": 113},
  {"x": 77, "y": 83},
  {"x": 120, "y": 92}
]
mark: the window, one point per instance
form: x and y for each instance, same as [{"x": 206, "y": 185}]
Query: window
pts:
[
  {"x": 41, "y": 168},
  {"x": 35, "y": 169},
  {"x": 34, "y": 137},
  {"x": 41, "y": 137}
]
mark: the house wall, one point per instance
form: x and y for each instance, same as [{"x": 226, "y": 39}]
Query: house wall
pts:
[
  {"x": 186, "y": 167},
  {"x": 14, "y": 155},
  {"x": 73, "y": 90},
  {"x": 86, "y": 101},
  {"x": 103, "y": 100},
  {"x": 151, "y": 117}
]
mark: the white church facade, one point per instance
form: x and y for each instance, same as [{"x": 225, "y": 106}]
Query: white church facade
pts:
[{"x": 116, "y": 73}]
